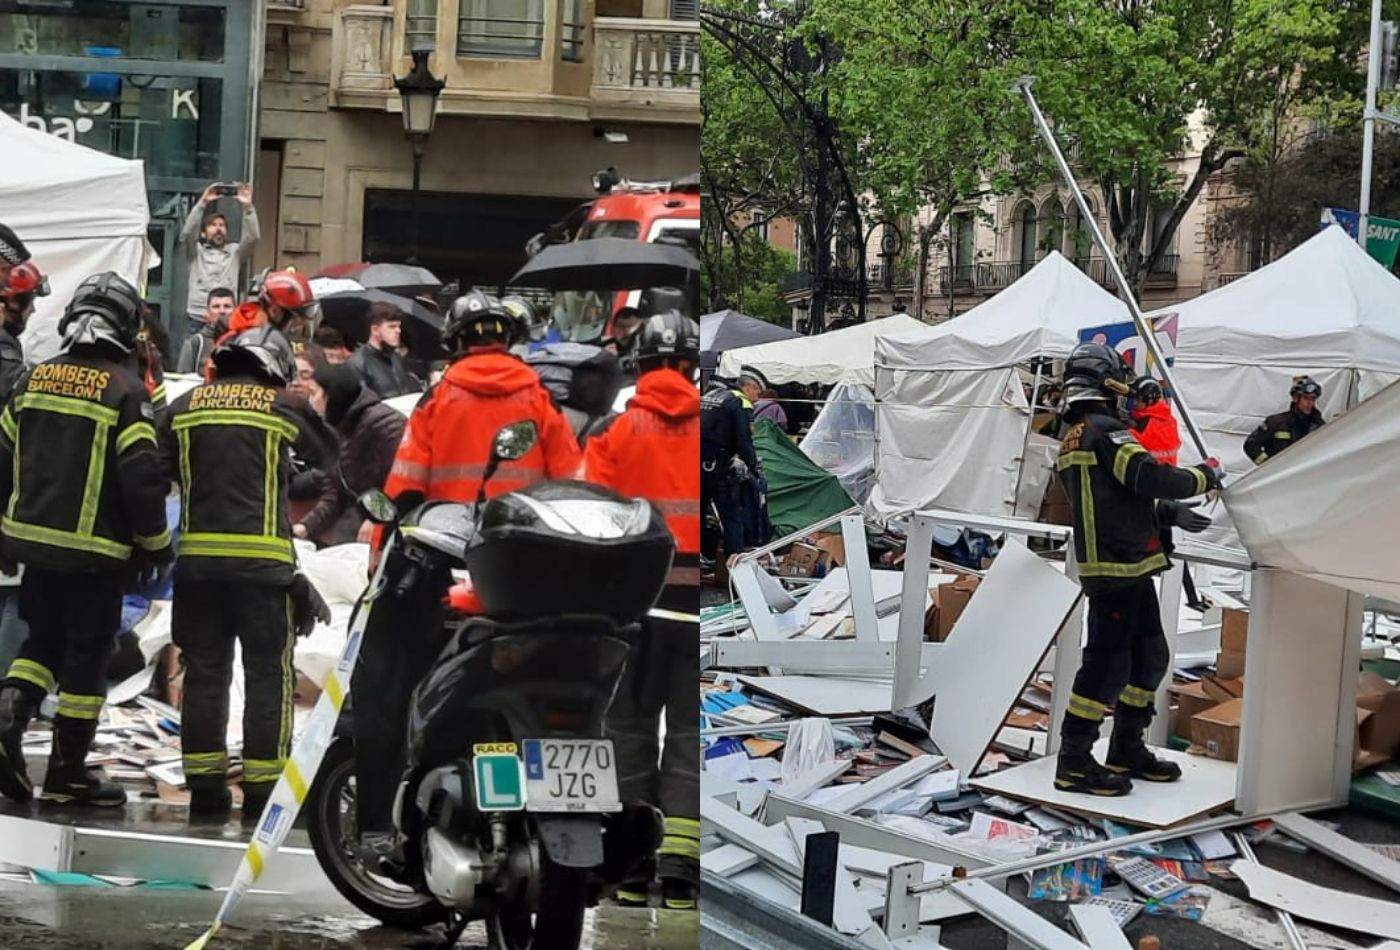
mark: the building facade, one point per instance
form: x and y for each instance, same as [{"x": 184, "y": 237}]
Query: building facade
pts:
[{"x": 539, "y": 95}]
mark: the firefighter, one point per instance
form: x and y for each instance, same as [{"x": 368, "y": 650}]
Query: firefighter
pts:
[
  {"x": 228, "y": 443},
  {"x": 282, "y": 299},
  {"x": 1152, "y": 420},
  {"x": 1113, "y": 483},
  {"x": 26, "y": 283},
  {"x": 652, "y": 451},
  {"x": 727, "y": 455},
  {"x": 1283, "y": 429},
  {"x": 445, "y": 449},
  {"x": 80, "y": 467}
]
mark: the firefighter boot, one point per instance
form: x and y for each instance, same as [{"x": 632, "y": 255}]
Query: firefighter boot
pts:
[
  {"x": 1076, "y": 770},
  {"x": 17, "y": 708},
  {"x": 255, "y": 796},
  {"x": 68, "y": 781},
  {"x": 678, "y": 863},
  {"x": 1129, "y": 755},
  {"x": 210, "y": 804}
]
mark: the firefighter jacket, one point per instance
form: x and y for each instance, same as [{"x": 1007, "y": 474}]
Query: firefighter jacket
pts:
[
  {"x": 1157, "y": 431},
  {"x": 1112, "y": 483},
  {"x": 1278, "y": 432},
  {"x": 80, "y": 467},
  {"x": 652, "y": 451},
  {"x": 725, "y": 419},
  {"x": 229, "y": 444},
  {"x": 447, "y": 442}
]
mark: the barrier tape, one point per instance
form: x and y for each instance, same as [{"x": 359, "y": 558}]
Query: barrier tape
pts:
[{"x": 290, "y": 791}]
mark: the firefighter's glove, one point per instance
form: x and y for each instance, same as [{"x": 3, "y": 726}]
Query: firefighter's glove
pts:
[
  {"x": 1184, "y": 515},
  {"x": 1214, "y": 477},
  {"x": 307, "y": 606},
  {"x": 738, "y": 470},
  {"x": 146, "y": 566}
]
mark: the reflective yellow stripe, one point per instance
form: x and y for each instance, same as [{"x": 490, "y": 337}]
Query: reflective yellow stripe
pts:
[
  {"x": 206, "y": 763},
  {"x": 8, "y": 425},
  {"x": 333, "y": 691},
  {"x": 289, "y": 676},
  {"x": 158, "y": 394},
  {"x": 1154, "y": 562},
  {"x": 262, "y": 770},
  {"x": 235, "y": 417},
  {"x": 1283, "y": 435},
  {"x": 1085, "y": 708},
  {"x": 209, "y": 544},
  {"x": 68, "y": 406},
  {"x": 1086, "y": 514},
  {"x": 155, "y": 542},
  {"x": 297, "y": 783},
  {"x": 72, "y": 540},
  {"x": 1125, "y": 454},
  {"x": 1259, "y": 459},
  {"x": 270, "y": 484},
  {"x": 683, "y": 826},
  {"x": 679, "y": 847},
  {"x": 32, "y": 671},
  {"x": 92, "y": 487},
  {"x": 134, "y": 433},
  {"x": 255, "y": 860},
  {"x": 75, "y": 706},
  {"x": 1133, "y": 696},
  {"x": 1201, "y": 482},
  {"x": 1078, "y": 457}
]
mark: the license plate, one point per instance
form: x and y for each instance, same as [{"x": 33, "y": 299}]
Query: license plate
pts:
[{"x": 570, "y": 775}]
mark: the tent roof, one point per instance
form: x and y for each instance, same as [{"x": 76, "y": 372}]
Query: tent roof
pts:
[
  {"x": 52, "y": 189},
  {"x": 826, "y": 358},
  {"x": 1039, "y": 315},
  {"x": 1326, "y": 303},
  {"x": 729, "y": 329}
]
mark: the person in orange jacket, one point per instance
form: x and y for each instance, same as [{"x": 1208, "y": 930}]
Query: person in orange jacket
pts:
[
  {"x": 1153, "y": 422},
  {"x": 652, "y": 451},
  {"x": 283, "y": 299},
  {"x": 443, "y": 456}
]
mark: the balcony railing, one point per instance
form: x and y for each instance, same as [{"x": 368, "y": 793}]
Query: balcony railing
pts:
[
  {"x": 988, "y": 277},
  {"x": 647, "y": 62},
  {"x": 1222, "y": 279}
]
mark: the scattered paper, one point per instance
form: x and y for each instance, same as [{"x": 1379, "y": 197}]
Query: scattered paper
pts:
[
  {"x": 1213, "y": 845},
  {"x": 1068, "y": 882},
  {"x": 987, "y": 828}
]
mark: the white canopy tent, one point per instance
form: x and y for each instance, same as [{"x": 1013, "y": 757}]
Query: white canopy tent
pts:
[
  {"x": 79, "y": 212},
  {"x": 1326, "y": 309},
  {"x": 826, "y": 358}
]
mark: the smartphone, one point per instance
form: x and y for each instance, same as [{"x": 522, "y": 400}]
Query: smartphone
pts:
[{"x": 227, "y": 191}]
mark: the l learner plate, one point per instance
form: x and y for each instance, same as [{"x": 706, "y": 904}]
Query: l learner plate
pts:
[{"x": 570, "y": 775}]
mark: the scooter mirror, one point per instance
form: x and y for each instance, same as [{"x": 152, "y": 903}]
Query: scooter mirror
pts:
[
  {"x": 515, "y": 440},
  {"x": 377, "y": 507}
]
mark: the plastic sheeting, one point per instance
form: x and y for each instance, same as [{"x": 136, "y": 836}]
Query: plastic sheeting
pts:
[
  {"x": 79, "y": 212},
  {"x": 799, "y": 492},
  {"x": 1329, "y": 507},
  {"x": 842, "y": 439},
  {"x": 826, "y": 358}
]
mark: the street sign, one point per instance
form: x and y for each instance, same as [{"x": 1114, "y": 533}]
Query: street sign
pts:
[
  {"x": 500, "y": 782},
  {"x": 1382, "y": 234}
]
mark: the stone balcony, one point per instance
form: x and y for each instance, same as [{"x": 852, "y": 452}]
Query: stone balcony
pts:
[{"x": 646, "y": 70}]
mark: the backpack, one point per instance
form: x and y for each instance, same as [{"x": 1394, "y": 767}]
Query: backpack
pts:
[{"x": 583, "y": 380}]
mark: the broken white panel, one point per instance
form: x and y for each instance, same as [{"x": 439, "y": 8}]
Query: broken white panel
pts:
[
  {"x": 858, "y": 577},
  {"x": 1356, "y": 856},
  {"x": 801, "y": 655},
  {"x": 825, "y": 695},
  {"x": 1255, "y": 926},
  {"x": 851, "y": 904},
  {"x": 1322, "y": 904},
  {"x": 1098, "y": 928},
  {"x": 995, "y": 647},
  {"x": 867, "y": 834},
  {"x": 896, "y": 778},
  {"x": 728, "y": 860},
  {"x": 1016, "y": 919},
  {"x": 800, "y": 786}
]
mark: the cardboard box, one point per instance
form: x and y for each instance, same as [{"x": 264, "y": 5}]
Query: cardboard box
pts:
[
  {"x": 834, "y": 546},
  {"x": 949, "y": 601},
  {"x": 1223, "y": 689},
  {"x": 802, "y": 560},
  {"x": 1217, "y": 730},
  {"x": 1190, "y": 700},
  {"x": 1229, "y": 665},
  {"x": 1377, "y": 720},
  {"x": 1234, "y": 628}
]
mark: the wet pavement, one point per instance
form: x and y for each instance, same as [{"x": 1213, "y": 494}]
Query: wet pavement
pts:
[{"x": 42, "y": 917}]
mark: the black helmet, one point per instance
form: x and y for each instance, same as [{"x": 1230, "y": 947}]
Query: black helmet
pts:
[
  {"x": 262, "y": 351},
  {"x": 1305, "y": 386},
  {"x": 526, "y": 317},
  {"x": 1146, "y": 391},
  {"x": 1095, "y": 371},
  {"x": 105, "y": 309},
  {"x": 477, "y": 317},
  {"x": 667, "y": 336}
]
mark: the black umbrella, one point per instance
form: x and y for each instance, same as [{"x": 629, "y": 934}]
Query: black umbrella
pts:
[
  {"x": 398, "y": 279},
  {"x": 605, "y": 264},
  {"x": 348, "y": 312}
]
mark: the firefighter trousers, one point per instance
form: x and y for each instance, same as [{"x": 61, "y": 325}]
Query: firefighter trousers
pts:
[
  {"x": 73, "y": 620},
  {"x": 1125, "y": 659},
  {"x": 208, "y": 617},
  {"x": 662, "y": 677}
]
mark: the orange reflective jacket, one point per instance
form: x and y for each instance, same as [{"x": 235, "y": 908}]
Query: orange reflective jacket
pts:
[
  {"x": 1156, "y": 431},
  {"x": 447, "y": 442},
  {"x": 652, "y": 451}
]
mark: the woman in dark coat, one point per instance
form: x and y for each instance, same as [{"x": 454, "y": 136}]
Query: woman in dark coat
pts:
[{"x": 369, "y": 434}]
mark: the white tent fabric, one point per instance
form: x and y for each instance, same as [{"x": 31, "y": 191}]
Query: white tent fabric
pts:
[
  {"x": 842, "y": 438},
  {"x": 1329, "y": 507},
  {"x": 79, "y": 212},
  {"x": 826, "y": 358}
]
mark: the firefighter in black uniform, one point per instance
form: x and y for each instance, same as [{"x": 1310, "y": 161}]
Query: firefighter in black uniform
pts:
[
  {"x": 228, "y": 443},
  {"x": 1283, "y": 429},
  {"x": 1121, "y": 539},
  {"x": 727, "y": 455},
  {"x": 86, "y": 504}
]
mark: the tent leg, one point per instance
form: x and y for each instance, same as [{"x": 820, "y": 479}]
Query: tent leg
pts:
[
  {"x": 1069, "y": 651},
  {"x": 1170, "y": 606}
]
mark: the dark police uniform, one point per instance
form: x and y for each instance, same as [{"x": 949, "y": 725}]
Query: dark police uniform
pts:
[
  {"x": 1278, "y": 432},
  {"x": 725, "y": 419}
]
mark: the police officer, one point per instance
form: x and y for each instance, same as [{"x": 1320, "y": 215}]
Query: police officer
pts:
[
  {"x": 1283, "y": 429},
  {"x": 228, "y": 443},
  {"x": 445, "y": 449},
  {"x": 1113, "y": 484},
  {"x": 652, "y": 451},
  {"x": 80, "y": 468},
  {"x": 727, "y": 454}
]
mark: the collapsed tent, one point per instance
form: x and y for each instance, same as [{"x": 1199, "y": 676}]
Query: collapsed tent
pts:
[
  {"x": 842, "y": 438},
  {"x": 730, "y": 330},
  {"x": 800, "y": 492},
  {"x": 1326, "y": 309},
  {"x": 826, "y": 358},
  {"x": 79, "y": 212}
]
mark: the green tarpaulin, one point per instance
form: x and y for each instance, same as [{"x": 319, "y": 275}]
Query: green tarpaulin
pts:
[{"x": 800, "y": 492}]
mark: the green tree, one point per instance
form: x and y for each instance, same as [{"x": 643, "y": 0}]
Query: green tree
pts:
[{"x": 751, "y": 281}]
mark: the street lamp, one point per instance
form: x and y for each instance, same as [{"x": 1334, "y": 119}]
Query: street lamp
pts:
[{"x": 419, "y": 94}]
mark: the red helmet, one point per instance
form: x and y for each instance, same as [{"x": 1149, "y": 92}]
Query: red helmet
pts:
[
  {"x": 26, "y": 278},
  {"x": 287, "y": 289}
]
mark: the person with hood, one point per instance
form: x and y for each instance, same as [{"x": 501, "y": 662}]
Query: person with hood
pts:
[
  {"x": 369, "y": 435},
  {"x": 214, "y": 261},
  {"x": 1152, "y": 420},
  {"x": 652, "y": 451},
  {"x": 767, "y": 406},
  {"x": 445, "y": 449},
  {"x": 1286, "y": 428}
]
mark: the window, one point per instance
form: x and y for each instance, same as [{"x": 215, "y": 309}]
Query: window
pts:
[
  {"x": 1025, "y": 236},
  {"x": 571, "y": 31},
  {"x": 626, "y": 230},
  {"x": 1078, "y": 240},
  {"x": 1052, "y": 225},
  {"x": 502, "y": 29},
  {"x": 685, "y": 9},
  {"x": 963, "y": 245},
  {"x": 420, "y": 25},
  {"x": 622, "y": 8}
]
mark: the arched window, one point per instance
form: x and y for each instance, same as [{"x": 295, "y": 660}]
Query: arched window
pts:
[
  {"x": 1078, "y": 241},
  {"x": 1052, "y": 225},
  {"x": 1025, "y": 235}
]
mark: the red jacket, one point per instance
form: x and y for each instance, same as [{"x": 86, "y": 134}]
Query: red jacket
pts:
[
  {"x": 447, "y": 442},
  {"x": 1156, "y": 431},
  {"x": 652, "y": 451}
]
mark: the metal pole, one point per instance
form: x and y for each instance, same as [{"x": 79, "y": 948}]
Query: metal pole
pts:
[
  {"x": 1026, "y": 440},
  {"x": 1290, "y": 930},
  {"x": 1373, "y": 69},
  {"x": 417, "y": 176},
  {"x": 1111, "y": 261}
]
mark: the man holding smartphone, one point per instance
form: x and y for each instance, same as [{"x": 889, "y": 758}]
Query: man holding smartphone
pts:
[{"x": 214, "y": 261}]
